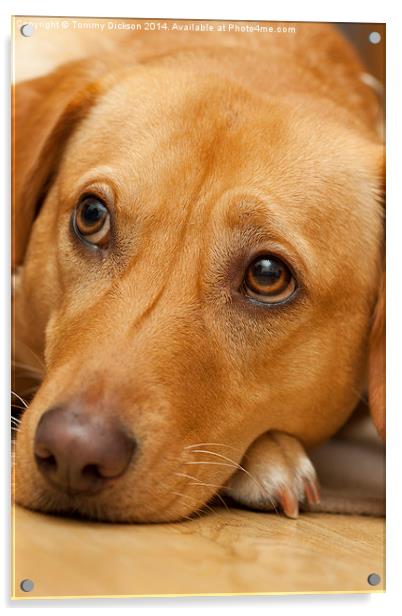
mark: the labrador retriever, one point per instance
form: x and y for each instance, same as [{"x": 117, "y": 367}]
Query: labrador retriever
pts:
[{"x": 198, "y": 252}]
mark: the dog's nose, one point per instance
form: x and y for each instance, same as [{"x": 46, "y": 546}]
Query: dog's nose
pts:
[{"x": 80, "y": 453}]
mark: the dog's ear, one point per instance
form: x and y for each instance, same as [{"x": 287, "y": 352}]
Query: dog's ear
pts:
[
  {"x": 376, "y": 351},
  {"x": 376, "y": 362},
  {"x": 45, "y": 111}
]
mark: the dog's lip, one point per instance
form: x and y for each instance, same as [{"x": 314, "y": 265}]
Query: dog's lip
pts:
[
  {"x": 72, "y": 503},
  {"x": 73, "y": 493}
]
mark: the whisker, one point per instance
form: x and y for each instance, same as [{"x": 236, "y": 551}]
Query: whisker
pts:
[
  {"x": 27, "y": 368},
  {"x": 19, "y": 398},
  {"x": 206, "y": 444},
  {"x": 186, "y": 476},
  {"x": 213, "y": 453},
  {"x": 215, "y": 463},
  {"x": 193, "y": 499},
  {"x": 222, "y": 501},
  {"x": 198, "y": 512},
  {"x": 18, "y": 406},
  {"x": 206, "y": 506},
  {"x": 187, "y": 517},
  {"x": 208, "y": 485},
  {"x": 197, "y": 482},
  {"x": 32, "y": 389},
  {"x": 34, "y": 355},
  {"x": 219, "y": 455},
  {"x": 237, "y": 466},
  {"x": 183, "y": 495},
  {"x": 28, "y": 374},
  {"x": 212, "y": 485}
]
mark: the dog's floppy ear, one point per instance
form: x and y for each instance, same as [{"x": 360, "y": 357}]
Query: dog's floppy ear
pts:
[
  {"x": 376, "y": 362},
  {"x": 45, "y": 110},
  {"x": 376, "y": 351}
]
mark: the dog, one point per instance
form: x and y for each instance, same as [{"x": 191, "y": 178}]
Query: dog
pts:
[{"x": 198, "y": 248}]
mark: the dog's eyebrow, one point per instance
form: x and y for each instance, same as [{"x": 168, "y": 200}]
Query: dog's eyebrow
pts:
[
  {"x": 261, "y": 220},
  {"x": 105, "y": 181}
]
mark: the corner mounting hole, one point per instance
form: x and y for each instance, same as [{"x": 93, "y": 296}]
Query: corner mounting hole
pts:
[
  {"x": 374, "y": 579},
  {"x": 26, "y": 585},
  {"x": 27, "y": 30},
  {"x": 374, "y": 38}
]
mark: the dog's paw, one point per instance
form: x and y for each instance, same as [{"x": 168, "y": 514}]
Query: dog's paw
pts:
[{"x": 276, "y": 472}]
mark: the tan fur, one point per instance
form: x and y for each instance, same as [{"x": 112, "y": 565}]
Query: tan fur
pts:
[
  {"x": 205, "y": 154},
  {"x": 376, "y": 369}
]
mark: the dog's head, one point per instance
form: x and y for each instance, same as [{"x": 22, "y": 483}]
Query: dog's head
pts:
[{"x": 198, "y": 265}]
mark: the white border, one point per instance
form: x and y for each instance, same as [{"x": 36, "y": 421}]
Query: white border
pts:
[{"x": 342, "y": 11}]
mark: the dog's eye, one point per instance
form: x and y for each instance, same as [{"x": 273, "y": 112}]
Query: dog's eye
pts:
[
  {"x": 91, "y": 221},
  {"x": 269, "y": 280}
]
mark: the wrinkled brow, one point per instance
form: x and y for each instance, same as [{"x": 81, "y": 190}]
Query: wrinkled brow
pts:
[{"x": 263, "y": 222}]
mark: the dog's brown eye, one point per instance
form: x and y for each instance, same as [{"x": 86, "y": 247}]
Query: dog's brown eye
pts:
[
  {"x": 269, "y": 280},
  {"x": 91, "y": 221}
]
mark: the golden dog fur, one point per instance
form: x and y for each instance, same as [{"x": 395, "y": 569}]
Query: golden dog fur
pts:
[{"x": 207, "y": 150}]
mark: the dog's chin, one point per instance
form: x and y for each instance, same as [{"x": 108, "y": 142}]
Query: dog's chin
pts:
[
  {"x": 140, "y": 497},
  {"x": 92, "y": 508}
]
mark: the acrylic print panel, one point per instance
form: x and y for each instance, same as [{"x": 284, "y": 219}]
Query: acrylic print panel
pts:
[{"x": 198, "y": 332}]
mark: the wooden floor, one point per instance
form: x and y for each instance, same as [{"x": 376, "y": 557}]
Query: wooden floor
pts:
[{"x": 232, "y": 551}]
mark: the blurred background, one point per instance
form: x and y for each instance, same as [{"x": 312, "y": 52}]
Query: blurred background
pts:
[{"x": 372, "y": 53}]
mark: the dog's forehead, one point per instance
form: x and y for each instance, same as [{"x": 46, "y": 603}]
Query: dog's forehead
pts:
[
  {"x": 154, "y": 117},
  {"x": 174, "y": 139},
  {"x": 162, "y": 118},
  {"x": 159, "y": 122}
]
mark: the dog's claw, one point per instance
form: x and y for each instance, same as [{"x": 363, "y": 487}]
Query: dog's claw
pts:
[
  {"x": 289, "y": 503},
  {"x": 311, "y": 491},
  {"x": 278, "y": 472}
]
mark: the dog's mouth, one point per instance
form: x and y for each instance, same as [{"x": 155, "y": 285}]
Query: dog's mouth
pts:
[
  {"x": 117, "y": 505},
  {"x": 147, "y": 488},
  {"x": 83, "y": 461},
  {"x": 79, "y": 507}
]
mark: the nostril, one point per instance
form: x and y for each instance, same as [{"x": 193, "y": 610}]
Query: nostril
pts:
[
  {"x": 48, "y": 462},
  {"x": 44, "y": 458},
  {"x": 92, "y": 472}
]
